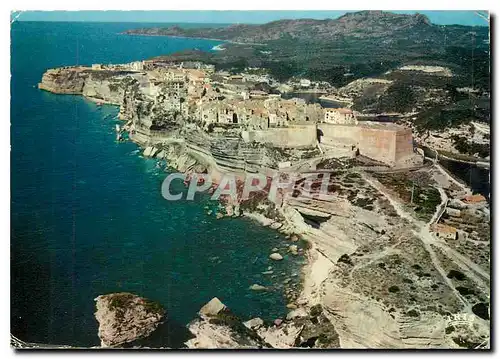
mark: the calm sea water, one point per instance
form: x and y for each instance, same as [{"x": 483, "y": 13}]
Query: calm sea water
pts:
[{"x": 87, "y": 216}]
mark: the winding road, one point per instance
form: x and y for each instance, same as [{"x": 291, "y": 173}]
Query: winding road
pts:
[{"x": 471, "y": 269}]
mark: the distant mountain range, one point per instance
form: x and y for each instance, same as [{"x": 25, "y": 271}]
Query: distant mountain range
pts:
[
  {"x": 362, "y": 25},
  {"x": 356, "y": 45}
]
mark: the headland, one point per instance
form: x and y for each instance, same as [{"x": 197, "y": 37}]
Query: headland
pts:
[{"x": 384, "y": 270}]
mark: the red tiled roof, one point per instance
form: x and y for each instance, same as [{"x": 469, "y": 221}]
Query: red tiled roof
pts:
[
  {"x": 476, "y": 198},
  {"x": 443, "y": 228}
]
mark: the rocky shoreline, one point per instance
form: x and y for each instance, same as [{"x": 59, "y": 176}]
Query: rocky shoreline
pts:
[
  {"x": 285, "y": 222},
  {"x": 373, "y": 277},
  {"x": 186, "y": 158}
]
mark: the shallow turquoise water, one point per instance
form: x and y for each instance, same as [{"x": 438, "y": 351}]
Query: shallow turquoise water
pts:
[{"x": 87, "y": 215}]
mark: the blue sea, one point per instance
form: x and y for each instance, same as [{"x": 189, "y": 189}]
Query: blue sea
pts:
[{"x": 87, "y": 215}]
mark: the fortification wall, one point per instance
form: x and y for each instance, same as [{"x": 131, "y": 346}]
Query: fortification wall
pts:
[
  {"x": 339, "y": 135},
  {"x": 404, "y": 145},
  {"x": 299, "y": 136},
  {"x": 387, "y": 143},
  {"x": 379, "y": 144}
]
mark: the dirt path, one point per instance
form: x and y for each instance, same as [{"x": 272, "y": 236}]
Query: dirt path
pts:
[{"x": 428, "y": 240}]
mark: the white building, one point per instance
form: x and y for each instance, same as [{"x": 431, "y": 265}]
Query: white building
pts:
[
  {"x": 340, "y": 116},
  {"x": 176, "y": 76},
  {"x": 137, "y": 65},
  {"x": 305, "y": 83}
]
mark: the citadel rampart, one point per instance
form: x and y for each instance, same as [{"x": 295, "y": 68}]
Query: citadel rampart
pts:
[
  {"x": 298, "y": 136},
  {"x": 384, "y": 142}
]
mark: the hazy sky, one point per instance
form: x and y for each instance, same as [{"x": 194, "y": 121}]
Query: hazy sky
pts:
[{"x": 224, "y": 17}]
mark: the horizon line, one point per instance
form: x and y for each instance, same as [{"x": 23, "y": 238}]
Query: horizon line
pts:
[{"x": 250, "y": 17}]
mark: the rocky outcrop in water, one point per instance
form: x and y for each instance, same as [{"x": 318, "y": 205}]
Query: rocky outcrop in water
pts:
[{"x": 125, "y": 317}]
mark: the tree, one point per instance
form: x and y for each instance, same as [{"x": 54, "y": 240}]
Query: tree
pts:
[{"x": 399, "y": 98}]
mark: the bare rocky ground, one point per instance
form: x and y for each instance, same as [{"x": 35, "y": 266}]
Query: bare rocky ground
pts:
[
  {"x": 383, "y": 279},
  {"x": 218, "y": 328},
  {"x": 376, "y": 276}
]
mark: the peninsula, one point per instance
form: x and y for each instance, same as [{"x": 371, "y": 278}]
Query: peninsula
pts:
[{"x": 400, "y": 246}]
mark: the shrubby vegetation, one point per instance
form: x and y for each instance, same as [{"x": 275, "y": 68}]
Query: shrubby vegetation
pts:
[
  {"x": 399, "y": 98},
  {"x": 463, "y": 145},
  {"x": 453, "y": 115}
]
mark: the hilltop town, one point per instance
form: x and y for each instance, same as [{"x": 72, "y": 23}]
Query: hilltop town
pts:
[
  {"x": 160, "y": 98},
  {"x": 402, "y": 247}
]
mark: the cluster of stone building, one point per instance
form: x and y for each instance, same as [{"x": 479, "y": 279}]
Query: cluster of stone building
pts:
[
  {"x": 211, "y": 98},
  {"x": 223, "y": 100},
  {"x": 258, "y": 113},
  {"x": 457, "y": 225}
]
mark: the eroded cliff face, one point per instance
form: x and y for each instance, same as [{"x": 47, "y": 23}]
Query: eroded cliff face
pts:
[
  {"x": 101, "y": 86},
  {"x": 218, "y": 328},
  {"x": 106, "y": 87},
  {"x": 142, "y": 103},
  {"x": 65, "y": 80}
]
